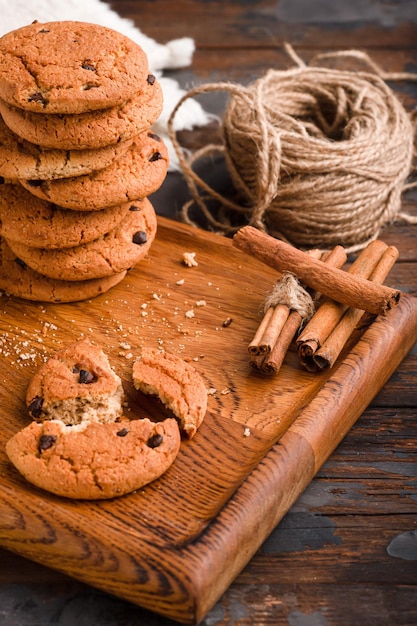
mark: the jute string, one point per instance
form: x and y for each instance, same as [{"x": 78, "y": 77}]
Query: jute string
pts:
[
  {"x": 319, "y": 156},
  {"x": 290, "y": 292}
]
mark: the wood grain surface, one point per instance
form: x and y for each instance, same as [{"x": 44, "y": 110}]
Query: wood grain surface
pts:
[
  {"x": 176, "y": 545},
  {"x": 345, "y": 552}
]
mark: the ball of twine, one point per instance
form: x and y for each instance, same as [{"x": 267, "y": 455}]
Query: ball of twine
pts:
[{"x": 320, "y": 156}]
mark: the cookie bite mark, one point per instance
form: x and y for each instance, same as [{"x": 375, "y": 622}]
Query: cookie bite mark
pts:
[
  {"x": 176, "y": 383},
  {"x": 76, "y": 385}
]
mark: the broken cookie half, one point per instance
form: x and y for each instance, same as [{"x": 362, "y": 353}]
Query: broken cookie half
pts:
[
  {"x": 176, "y": 383},
  {"x": 76, "y": 385}
]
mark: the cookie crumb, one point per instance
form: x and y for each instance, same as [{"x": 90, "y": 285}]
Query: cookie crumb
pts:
[
  {"x": 189, "y": 259},
  {"x": 189, "y": 314},
  {"x": 246, "y": 432}
]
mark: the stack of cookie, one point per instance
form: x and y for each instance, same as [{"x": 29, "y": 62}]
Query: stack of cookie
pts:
[{"x": 77, "y": 159}]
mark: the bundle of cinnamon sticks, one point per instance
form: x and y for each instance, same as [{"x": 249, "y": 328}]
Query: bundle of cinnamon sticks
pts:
[{"x": 342, "y": 298}]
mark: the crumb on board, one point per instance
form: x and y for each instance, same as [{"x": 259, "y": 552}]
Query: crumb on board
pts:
[
  {"x": 246, "y": 432},
  {"x": 189, "y": 259}
]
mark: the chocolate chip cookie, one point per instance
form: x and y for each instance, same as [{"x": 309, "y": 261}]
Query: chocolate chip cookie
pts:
[
  {"x": 36, "y": 223},
  {"x": 92, "y": 130},
  {"x": 94, "y": 461},
  {"x": 22, "y": 159},
  {"x": 176, "y": 383},
  {"x": 76, "y": 384},
  {"x": 118, "y": 250},
  {"x": 17, "y": 279},
  {"x": 137, "y": 173},
  {"x": 69, "y": 67}
]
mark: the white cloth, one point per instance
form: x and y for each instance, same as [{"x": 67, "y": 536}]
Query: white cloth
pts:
[{"x": 174, "y": 54}]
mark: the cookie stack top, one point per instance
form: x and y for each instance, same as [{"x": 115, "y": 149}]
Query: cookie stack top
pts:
[{"x": 69, "y": 67}]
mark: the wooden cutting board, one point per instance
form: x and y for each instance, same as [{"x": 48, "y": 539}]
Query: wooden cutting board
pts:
[{"x": 177, "y": 544}]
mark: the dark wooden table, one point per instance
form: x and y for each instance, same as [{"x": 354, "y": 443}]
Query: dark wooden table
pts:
[{"x": 346, "y": 553}]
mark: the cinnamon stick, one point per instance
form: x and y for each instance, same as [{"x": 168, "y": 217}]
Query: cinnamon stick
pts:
[
  {"x": 337, "y": 284},
  {"x": 274, "y": 328},
  {"x": 330, "y": 312},
  {"x": 271, "y": 327},
  {"x": 326, "y": 356},
  {"x": 273, "y": 361},
  {"x": 271, "y": 324},
  {"x": 253, "y": 347}
]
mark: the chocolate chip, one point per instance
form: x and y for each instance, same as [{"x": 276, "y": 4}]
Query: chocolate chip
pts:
[
  {"x": 42, "y": 30},
  {"x": 89, "y": 86},
  {"x": 86, "y": 377},
  {"x": 155, "y": 156},
  {"x": 150, "y": 79},
  {"x": 20, "y": 263},
  {"x": 2, "y": 180},
  {"x": 88, "y": 65},
  {"x": 45, "y": 442},
  {"x": 35, "y": 183},
  {"x": 154, "y": 136},
  {"x": 122, "y": 433},
  {"x": 35, "y": 406},
  {"x": 37, "y": 97},
  {"x": 227, "y": 322},
  {"x": 134, "y": 207},
  {"x": 154, "y": 441},
  {"x": 140, "y": 237}
]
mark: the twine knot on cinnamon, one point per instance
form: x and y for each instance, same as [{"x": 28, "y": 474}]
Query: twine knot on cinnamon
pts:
[
  {"x": 319, "y": 156},
  {"x": 287, "y": 290}
]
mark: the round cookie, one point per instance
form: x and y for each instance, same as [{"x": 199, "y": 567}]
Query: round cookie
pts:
[
  {"x": 137, "y": 173},
  {"x": 118, "y": 250},
  {"x": 22, "y": 159},
  {"x": 93, "y": 130},
  {"x": 19, "y": 280},
  {"x": 176, "y": 383},
  {"x": 69, "y": 67},
  {"x": 76, "y": 385},
  {"x": 94, "y": 461},
  {"x": 26, "y": 219}
]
